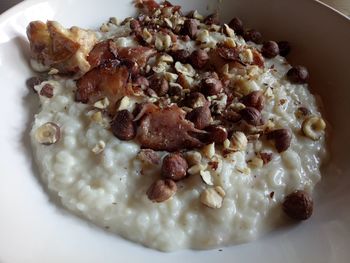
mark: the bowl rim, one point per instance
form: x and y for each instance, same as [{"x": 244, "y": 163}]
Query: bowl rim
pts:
[{"x": 26, "y": 3}]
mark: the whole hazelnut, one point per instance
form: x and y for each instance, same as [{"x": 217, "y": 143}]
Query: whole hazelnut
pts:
[
  {"x": 199, "y": 58},
  {"x": 255, "y": 99},
  {"x": 253, "y": 35},
  {"x": 298, "y": 205},
  {"x": 181, "y": 55},
  {"x": 195, "y": 100},
  {"x": 251, "y": 115},
  {"x": 211, "y": 86},
  {"x": 270, "y": 49},
  {"x": 160, "y": 85},
  {"x": 200, "y": 116},
  {"x": 123, "y": 126},
  {"x": 298, "y": 75},
  {"x": 174, "y": 167},
  {"x": 190, "y": 28},
  {"x": 217, "y": 134},
  {"x": 282, "y": 138},
  {"x": 237, "y": 25},
  {"x": 161, "y": 190}
]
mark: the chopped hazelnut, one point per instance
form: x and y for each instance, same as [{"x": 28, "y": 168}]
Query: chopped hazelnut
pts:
[{"x": 48, "y": 133}]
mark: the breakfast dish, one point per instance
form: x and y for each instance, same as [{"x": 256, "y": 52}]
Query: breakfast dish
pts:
[{"x": 175, "y": 131}]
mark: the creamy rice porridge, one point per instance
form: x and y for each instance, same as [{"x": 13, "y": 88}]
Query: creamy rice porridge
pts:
[{"x": 175, "y": 132}]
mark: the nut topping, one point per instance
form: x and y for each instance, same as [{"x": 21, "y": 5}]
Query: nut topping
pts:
[
  {"x": 313, "y": 127},
  {"x": 282, "y": 138},
  {"x": 200, "y": 116},
  {"x": 181, "y": 55},
  {"x": 228, "y": 53},
  {"x": 270, "y": 49},
  {"x": 199, "y": 58},
  {"x": 148, "y": 156},
  {"x": 48, "y": 133},
  {"x": 237, "y": 25},
  {"x": 161, "y": 190},
  {"x": 174, "y": 167},
  {"x": 190, "y": 28},
  {"x": 206, "y": 177},
  {"x": 195, "y": 100},
  {"x": 160, "y": 85},
  {"x": 253, "y": 35},
  {"x": 47, "y": 91},
  {"x": 298, "y": 75},
  {"x": 211, "y": 86},
  {"x": 251, "y": 115},
  {"x": 213, "y": 197},
  {"x": 239, "y": 141},
  {"x": 256, "y": 99},
  {"x": 122, "y": 126},
  {"x": 298, "y": 205},
  {"x": 217, "y": 134}
]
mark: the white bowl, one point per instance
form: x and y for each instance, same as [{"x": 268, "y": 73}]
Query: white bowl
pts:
[{"x": 34, "y": 229}]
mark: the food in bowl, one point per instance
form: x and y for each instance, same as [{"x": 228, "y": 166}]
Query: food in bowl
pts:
[{"x": 175, "y": 131}]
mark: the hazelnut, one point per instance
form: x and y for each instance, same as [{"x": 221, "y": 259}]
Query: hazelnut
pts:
[
  {"x": 239, "y": 141},
  {"x": 282, "y": 138},
  {"x": 47, "y": 91},
  {"x": 123, "y": 126},
  {"x": 255, "y": 99},
  {"x": 161, "y": 190},
  {"x": 141, "y": 81},
  {"x": 212, "y": 19},
  {"x": 149, "y": 156},
  {"x": 298, "y": 205},
  {"x": 206, "y": 177},
  {"x": 232, "y": 116},
  {"x": 213, "y": 197},
  {"x": 99, "y": 147},
  {"x": 217, "y": 134},
  {"x": 135, "y": 26},
  {"x": 211, "y": 86},
  {"x": 298, "y": 75},
  {"x": 174, "y": 167},
  {"x": 200, "y": 116},
  {"x": 195, "y": 100},
  {"x": 266, "y": 157},
  {"x": 160, "y": 85},
  {"x": 181, "y": 55},
  {"x": 199, "y": 58},
  {"x": 251, "y": 115},
  {"x": 102, "y": 104},
  {"x": 190, "y": 28},
  {"x": 228, "y": 53},
  {"x": 253, "y": 35},
  {"x": 302, "y": 112},
  {"x": 313, "y": 127},
  {"x": 237, "y": 25},
  {"x": 48, "y": 133},
  {"x": 270, "y": 49}
]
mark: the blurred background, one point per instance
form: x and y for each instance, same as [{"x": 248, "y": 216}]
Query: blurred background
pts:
[{"x": 341, "y": 5}]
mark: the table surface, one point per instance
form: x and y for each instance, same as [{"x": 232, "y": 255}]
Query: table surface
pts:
[{"x": 341, "y": 5}]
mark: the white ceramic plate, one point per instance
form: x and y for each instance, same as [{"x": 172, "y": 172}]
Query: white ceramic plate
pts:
[{"x": 35, "y": 229}]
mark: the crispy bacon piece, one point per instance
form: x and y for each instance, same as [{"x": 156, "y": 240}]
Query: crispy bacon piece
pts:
[
  {"x": 108, "y": 80},
  {"x": 138, "y": 54},
  {"x": 61, "y": 48},
  {"x": 100, "y": 54},
  {"x": 167, "y": 130}
]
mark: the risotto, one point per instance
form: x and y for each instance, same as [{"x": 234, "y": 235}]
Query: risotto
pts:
[{"x": 175, "y": 131}]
